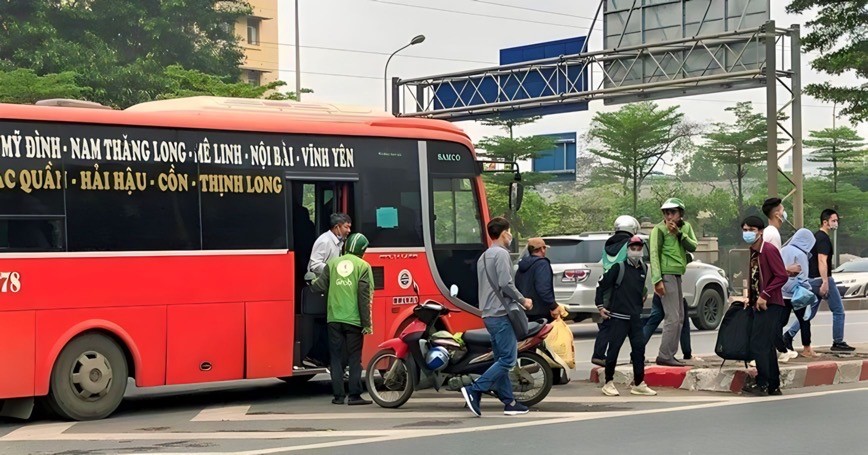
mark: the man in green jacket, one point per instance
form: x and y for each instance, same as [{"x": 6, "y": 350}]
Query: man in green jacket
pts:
[
  {"x": 349, "y": 284},
  {"x": 670, "y": 242}
]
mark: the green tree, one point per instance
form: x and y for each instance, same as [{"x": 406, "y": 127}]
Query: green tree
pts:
[
  {"x": 738, "y": 145},
  {"x": 839, "y": 146},
  {"x": 840, "y": 37},
  {"x": 183, "y": 83},
  {"x": 510, "y": 149},
  {"x": 23, "y": 86},
  {"x": 699, "y": 167},
  {"x": 120, "y": 48},
  {"x": 635, "y": 139}
]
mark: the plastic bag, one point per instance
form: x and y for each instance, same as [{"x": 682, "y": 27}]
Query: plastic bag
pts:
[{"x": 560, "y": 341}]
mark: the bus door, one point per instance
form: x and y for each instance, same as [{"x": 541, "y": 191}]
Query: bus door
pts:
[{"x": 312, "y": 202}]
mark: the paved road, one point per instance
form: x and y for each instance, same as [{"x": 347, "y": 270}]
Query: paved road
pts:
[{"x": 268, "y": 416}]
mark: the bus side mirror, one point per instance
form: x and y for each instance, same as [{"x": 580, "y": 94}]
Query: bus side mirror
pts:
[{"x": 516, "y": 194}]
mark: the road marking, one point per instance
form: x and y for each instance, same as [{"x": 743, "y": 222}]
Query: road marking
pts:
[
  {"x": 241, "y": 413},
  {"x": 409, "y": 434}
]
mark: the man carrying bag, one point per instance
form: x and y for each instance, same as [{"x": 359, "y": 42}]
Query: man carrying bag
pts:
[{"x": 502, "y": 316}]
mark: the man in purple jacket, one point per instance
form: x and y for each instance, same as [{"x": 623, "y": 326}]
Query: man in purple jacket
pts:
[{"x": 767, "y": 276}]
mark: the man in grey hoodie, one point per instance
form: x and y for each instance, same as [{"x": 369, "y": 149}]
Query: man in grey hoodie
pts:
[{"x": 496, "y": 291}]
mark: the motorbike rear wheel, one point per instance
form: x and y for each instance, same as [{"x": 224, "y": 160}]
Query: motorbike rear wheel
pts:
[
  {"x": 531, "y": 378},
  {"x": 390, "y": 380}
]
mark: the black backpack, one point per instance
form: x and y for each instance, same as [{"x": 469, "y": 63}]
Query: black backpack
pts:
[{"x": 733, "y": 338}]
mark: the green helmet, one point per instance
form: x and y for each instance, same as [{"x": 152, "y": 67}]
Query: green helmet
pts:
[
  {"x": 356, "y": 244},
  {"x": 673, "y": 203}
]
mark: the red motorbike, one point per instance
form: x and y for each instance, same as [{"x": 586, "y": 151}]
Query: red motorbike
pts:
[{"x": 423, "y": 357}]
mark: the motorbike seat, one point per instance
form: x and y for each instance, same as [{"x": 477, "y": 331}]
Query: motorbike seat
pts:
[{"x": 480, "y": 337}]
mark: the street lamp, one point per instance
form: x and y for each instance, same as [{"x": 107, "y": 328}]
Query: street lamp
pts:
[{"x": 416, "y": 40}]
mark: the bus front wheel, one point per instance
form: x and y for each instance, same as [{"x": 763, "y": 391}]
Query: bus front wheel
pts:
[{"x": 89, "y": 378}]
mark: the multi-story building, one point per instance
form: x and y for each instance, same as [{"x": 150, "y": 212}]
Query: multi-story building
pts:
[{"x": 258, "y": 33}]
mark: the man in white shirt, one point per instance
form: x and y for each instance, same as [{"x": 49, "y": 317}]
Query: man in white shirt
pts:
[
  {"x": 773, "y": 209},
  {"x": 775, "y": 212},
  {"x": 329, "y": 244},
  {"x": 326, "y": 247}
]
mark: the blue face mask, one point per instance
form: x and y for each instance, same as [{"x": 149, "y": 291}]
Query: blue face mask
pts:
[{"x": 748, "y": 236}]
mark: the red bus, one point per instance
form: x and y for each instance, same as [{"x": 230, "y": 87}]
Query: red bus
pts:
[{"x": 168, "y": 242}]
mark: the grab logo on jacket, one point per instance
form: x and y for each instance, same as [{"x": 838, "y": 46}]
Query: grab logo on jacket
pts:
[{"x": 345, "y": 268}]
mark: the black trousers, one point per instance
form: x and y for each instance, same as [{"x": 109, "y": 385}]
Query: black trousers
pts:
[
  {"x": 804, "y": 327},
  {"x": 764, "y": 332},
  {"x": 619, "y": 330},
  {"x": 345, "y": 349},
  {"x": 780, "y": 343},
  {"x": 602, "y": 340}
]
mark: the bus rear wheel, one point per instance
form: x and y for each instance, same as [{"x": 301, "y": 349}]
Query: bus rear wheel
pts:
[{"x": 89, "y": 378}]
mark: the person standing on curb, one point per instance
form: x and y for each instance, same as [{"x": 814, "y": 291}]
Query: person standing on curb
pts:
[
  {"x": 773, "y": 209},
  {"x": 766, "y": 278},
  {"x": 625, "y": 282},
  {"x": 349, "y": 283},
  {"x": 614, "y": 252},
  {"x": 670, "y": 242},
  {"x": 496, "y": 291}
]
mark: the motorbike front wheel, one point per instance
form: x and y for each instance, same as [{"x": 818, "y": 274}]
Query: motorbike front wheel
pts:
[
  {"x": 389, "y": 379},
  {"x": 531, "y": 378}
]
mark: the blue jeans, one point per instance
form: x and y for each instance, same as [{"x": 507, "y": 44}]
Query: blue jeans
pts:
[
  {"x": 505, "y": 347},
  {"x": 656, "y": 317},
  {"x": 836, "y": 306}
]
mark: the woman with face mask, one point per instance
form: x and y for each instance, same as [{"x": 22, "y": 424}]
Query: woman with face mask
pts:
[{"x": 626, "y": 283}]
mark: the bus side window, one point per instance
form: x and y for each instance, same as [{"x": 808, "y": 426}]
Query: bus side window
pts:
[{"x": 31, "y": 235}]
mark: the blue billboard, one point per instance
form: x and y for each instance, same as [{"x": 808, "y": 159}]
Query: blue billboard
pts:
[
  {"x": 550, "y": 80},
  {"x": 560, "y": 160}
]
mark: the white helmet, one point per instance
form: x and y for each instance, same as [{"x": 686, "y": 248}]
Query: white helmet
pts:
[{"x": 627, "y": 223}]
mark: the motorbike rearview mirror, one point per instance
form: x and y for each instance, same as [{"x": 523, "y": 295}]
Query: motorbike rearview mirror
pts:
[{"x": 453, "y": 290}]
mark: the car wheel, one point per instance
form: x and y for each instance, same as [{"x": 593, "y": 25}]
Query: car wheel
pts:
[{"x": 709, "y": 312}]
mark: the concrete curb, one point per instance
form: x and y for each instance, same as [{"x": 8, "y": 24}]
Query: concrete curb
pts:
[{"x": 732, "y": 379}]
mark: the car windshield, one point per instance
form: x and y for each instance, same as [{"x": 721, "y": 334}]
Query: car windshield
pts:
[
  {"x": 852, "y": 266},
  {"x": 567, "y": 251}
]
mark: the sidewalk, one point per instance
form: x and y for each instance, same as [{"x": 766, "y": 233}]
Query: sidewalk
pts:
[{"x": 830, "y": 368}]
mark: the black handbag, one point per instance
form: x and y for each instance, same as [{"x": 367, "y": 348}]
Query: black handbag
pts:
[
  {"x": 514, "y": 310},
  {"x": 733, "y": 337}
]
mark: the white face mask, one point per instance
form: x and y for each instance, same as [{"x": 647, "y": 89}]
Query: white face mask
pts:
[
  {"x": 784, "y": 215},
  {"x": 634, "y": 257},
  {"x": 833, "y": 226},
  {"x": 508, "y": 238}
]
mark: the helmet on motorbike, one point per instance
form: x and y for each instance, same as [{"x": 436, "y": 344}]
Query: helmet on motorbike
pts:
[
  {"x": 627, "y": 223},
  {"x": 437, "y": 358}
]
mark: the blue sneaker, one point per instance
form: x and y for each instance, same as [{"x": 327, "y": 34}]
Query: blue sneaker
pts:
[
  {"x": 515, "y": 409},
  {"x": 472, "y": 399}
]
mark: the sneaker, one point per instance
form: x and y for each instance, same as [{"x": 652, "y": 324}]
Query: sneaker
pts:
[
  {"x": 787, "y": 356},
  {"x": 310, "y": 362},
  {"x": 755, "y": 390},
  {"x": 842, "y": 347},
  {"x": 598, "y": 362},
  {"x": 472, "y": 399},
  {"x": 776, "y": 392},
  {"x": 357, "y": 400},
  {"x": 338, "y": 400},
  {"x": 693, "y": 358},
  {"x": 642, "y": 389},
  {"x": 610, "y": 390},
  {"x": 515, "y": 409},
  {"x": 669, "y": 363}
]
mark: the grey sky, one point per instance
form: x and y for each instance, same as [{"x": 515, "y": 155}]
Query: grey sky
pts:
[{"x": 464, "y": 34}]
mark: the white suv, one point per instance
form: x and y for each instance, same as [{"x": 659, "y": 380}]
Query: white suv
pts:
[{"x": 576, "y": 261}]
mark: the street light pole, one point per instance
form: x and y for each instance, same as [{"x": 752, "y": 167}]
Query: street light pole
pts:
[
  {"x": 416, "y": 40},
  {"x": 297, "y": 58}
]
